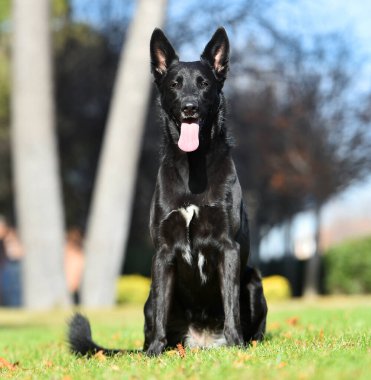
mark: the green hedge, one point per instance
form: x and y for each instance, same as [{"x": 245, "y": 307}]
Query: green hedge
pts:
[{"x": 348, "y": 267}]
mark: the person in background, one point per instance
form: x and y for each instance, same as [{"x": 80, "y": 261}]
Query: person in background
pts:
[
  {"x": 11, "y": 254},
  {"x": 74, "y": 262}
]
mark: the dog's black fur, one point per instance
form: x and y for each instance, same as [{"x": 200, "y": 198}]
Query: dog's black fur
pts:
[{"x": 202, "y": 293}]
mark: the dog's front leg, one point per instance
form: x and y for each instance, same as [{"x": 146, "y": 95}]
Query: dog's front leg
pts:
[
  {"x": 229, "y": 273},
  {"x": 162, "y": 286}
]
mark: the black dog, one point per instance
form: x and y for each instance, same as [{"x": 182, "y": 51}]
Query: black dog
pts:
[{"x": 202, "y": 293}]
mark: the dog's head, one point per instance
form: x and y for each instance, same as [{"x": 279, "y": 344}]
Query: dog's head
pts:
[{"x": 190, "y": 92}]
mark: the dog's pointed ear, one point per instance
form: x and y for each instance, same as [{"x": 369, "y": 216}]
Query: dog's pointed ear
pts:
[
  {"x": 162, "y": 54},
  {"x": 216, "y": 53}
]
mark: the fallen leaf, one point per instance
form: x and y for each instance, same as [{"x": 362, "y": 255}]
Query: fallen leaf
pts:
[
  {"x": 5, "y": 364},
  {"x": 321, "y": 335},
  {"x": 293, "y": 321},
  {"x": 115, "y": 367},
  {"x": 100, "y": 356},
  {"x": 48, "y": 363},
  {"x": 181, "y": 350},
  {"x": 254, "y": 343},
  {"x": 282, "y": 365},
  {"x": 242, "y": 358},
  {"x": 300, "y": 343}
]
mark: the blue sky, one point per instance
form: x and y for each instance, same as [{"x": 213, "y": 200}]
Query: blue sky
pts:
[
  {"x": 324, "y": 16},
  {"x": 301, "y": 17},
  {"x": 351, "y": 18}
]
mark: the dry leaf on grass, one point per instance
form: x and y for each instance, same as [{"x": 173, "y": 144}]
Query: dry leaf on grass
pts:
[
  {"x": 48, "y": 363},
  {"x": 321, "y": 335},
  {"x": 241, "y": 360},
  {"x": 282, "y": 365},
  {"x": 181, "y": 350},
  {"x": 100, "y": 356},
  {"x": 254, "y": 343},
  {"x": 293, "y": 321},
  {"x": 5, "y": 364}
]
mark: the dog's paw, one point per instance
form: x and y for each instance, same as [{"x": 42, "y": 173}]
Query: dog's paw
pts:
[{"x": 155, "y": 348}]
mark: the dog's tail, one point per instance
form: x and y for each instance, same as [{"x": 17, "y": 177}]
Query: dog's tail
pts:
[{"x": 80, "y": 338}]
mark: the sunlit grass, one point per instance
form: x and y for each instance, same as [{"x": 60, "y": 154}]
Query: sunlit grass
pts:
[{"x": 322, "y": 339}]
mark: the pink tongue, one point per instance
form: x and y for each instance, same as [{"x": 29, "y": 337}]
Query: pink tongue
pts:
[{"x": 188, "y": 141}]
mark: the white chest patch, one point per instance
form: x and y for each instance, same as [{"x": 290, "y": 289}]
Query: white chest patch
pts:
[
  {"x": 188, "y": 213},
  {"x": 187, "y": 256},
  {"x": 201, "y": 263}
]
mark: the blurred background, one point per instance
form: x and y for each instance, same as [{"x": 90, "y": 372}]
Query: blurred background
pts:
[{"x": 299, "y": 107}]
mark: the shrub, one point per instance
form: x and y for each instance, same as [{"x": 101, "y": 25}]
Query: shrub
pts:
[
  {"x": 133, "y": 289},
  {"x": 276, "y": 288},
  {"x": 348, "y": 267}
]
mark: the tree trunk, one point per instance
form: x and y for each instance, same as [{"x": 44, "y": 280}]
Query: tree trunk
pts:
[
  {"x": 313, "y": 265},
  {"x": 35, "y": 163},
  {"x": 109, "y": 218}
]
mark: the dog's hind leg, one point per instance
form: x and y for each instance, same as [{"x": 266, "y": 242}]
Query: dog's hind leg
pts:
[
  {"x": 148, "y": 322},
  {"x": 229, "y": 272},
  {"x": 253, "y": 306}
]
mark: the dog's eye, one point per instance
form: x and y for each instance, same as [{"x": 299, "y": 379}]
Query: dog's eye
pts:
[
  {"x": 175, "y": 84},
  {"x": 204, "y": 84}
]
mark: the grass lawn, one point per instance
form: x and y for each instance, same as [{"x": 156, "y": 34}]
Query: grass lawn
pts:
[{"x": 328, "y": 338}]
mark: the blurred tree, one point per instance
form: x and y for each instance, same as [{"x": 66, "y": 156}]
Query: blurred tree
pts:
[
  {"x": 5, "y": 179},
  {"x": 60, "y": 9},
  {"x": 109, "y": 219},
  {"x": 35, "y": 163},
  {"x": 299, "y": 132},
  {"x": 85, "y": 66}
]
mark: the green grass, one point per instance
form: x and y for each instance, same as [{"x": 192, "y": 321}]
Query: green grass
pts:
[{"x": 321, "y": 339}]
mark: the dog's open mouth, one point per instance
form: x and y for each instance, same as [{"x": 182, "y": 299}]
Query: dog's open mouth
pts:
[{"x": 188, "y": 140}]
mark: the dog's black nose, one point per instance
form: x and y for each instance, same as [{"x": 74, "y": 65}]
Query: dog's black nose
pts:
[{"x": 190, "y": 109}]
